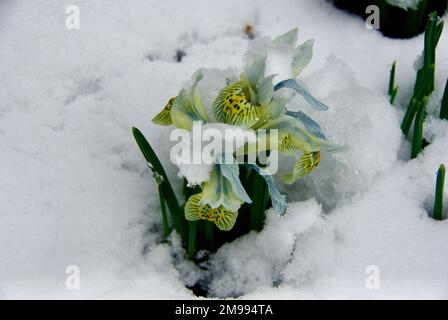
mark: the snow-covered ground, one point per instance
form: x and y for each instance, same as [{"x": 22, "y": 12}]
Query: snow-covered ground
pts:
[{"x": 74, "y": 189}]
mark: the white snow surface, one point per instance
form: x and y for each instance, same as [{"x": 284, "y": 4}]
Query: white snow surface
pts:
[
  {"x": 75, "y": 190},
  {"x": 405, "y": 4}
]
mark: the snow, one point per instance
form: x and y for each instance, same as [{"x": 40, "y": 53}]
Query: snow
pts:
[
  {"x": 196, "y": 152},
  {"x": 74, "y": 189},
  {"x": 405, "y": 4}
]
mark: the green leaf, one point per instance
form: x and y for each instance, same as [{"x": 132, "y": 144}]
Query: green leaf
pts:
[
  {"x": 259, "y": 197},
  {"x": 444, "y": 106},
  {"x": 166, "y": 227},
  {"x": 165, "y": 188},
  {"x": 192, "y": 228},
  {"x": 209, "y": 233},
  {"x": 417, "y": 97},
  {"x": 418, "y": 128},
  {"x": 392, "y": 88},
  {"x": 438, "y": 203},
  {"x": 424, "y": 83}
]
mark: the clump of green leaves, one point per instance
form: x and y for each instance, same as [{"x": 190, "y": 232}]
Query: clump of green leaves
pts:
[{"x": 424, "y": 85}]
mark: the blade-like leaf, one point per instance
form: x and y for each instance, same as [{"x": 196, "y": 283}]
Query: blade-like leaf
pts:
[
  {"x": 418, "y": 128},
  {"x": 393, "y": 89},
  {"x": 438, "y": 203},
  {"x": 177, "y": 214},
  {"x": 444, "y": 106}
]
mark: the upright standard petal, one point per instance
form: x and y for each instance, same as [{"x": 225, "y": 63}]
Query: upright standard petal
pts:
[
  {"x": 254, "y": 71},
  {"x": 289, "y": 38},
  {"x": 188, "y": 106},
  {"x": 302, "y": 57},
  {"x": 265, "y": 90}
]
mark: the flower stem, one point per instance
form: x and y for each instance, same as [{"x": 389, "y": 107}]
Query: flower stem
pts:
[
  {"x": 438, "y": 203},
  {"x": 166, "y": 227},
  {"x": 193, "y": 225},
  {"x": 177, "y": 214},
  {"x": 209, "y": 233},
  {"x": 258, "y": 205}
]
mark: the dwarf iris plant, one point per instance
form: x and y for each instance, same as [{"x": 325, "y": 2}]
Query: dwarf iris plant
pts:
[{"x": 254, "y": 103}]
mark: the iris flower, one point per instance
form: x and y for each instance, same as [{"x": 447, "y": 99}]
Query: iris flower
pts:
[{"x": 253, "y": 102}]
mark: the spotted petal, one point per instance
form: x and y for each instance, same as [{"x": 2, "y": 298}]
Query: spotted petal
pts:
[
  {"x": 233, "y": 106},
  {"x": 164, "y": 116},
  {"x": 221, "y": 217},
  {"x": 307, "y": 163}
]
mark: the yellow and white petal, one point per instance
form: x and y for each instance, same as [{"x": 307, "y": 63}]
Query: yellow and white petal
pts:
[
  {"x": 303, "y": 167},
  {"x": 293, "y": 136},
  {"x": 233, "y": 106},
  {"x": 188, "y": 106},
  {"x": 223, "y": 218},
  {"x": 164, "y": 116},
  {"x": 290, "y": 138},
  {"x": 286, "y": 143}
]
